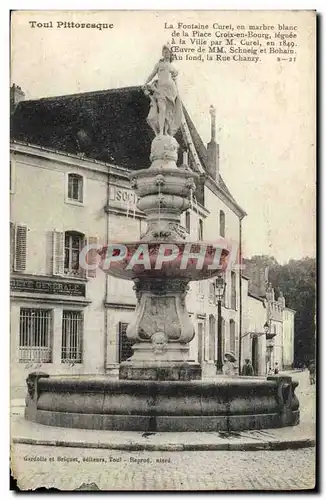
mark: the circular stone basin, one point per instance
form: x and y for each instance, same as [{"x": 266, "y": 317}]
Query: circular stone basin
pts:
[
  {"x": 227, "y": 404},
  {"x": 163, "y": 259}
]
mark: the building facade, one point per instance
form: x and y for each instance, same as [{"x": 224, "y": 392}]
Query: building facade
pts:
[{"x": 268, "y": 338}]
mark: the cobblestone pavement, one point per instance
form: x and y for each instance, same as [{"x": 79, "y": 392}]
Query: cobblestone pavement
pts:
[{"x": 68, "y": 469}]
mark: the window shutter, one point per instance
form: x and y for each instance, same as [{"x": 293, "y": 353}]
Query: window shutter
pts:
[
  {"x": 12, "y": 245},
  {"x": 20, "y": 247},
  {"x": 91, "y": 256},
  {"x": 58, "y": 252}
]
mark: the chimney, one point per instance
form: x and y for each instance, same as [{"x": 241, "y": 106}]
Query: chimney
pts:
[
  {"x": 16, "y": 95},
  {"x": 213, "y": 153},
  {"x": 281, "y": 299}
]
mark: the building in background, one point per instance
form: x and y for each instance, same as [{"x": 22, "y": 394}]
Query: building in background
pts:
[{"x": 268, "y": 338}]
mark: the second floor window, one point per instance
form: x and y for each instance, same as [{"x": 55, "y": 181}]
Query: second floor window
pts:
[
  {"x": 73, "y": 246},
  {"x": 75, "y": 187}
]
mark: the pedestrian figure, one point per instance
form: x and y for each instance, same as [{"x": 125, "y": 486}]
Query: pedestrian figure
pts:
[
  {"x": 276, "y": 369},
  {"x": 312, "y": 373},
  {"x": 247, "y": 369},
  {"x": 228, "y": 365}
]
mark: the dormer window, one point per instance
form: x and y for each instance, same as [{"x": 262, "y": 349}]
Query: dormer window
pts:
[{"x": 75, "y": 188}]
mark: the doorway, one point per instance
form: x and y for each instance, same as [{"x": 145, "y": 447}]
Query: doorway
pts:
[{"x": 254, "y": 354}]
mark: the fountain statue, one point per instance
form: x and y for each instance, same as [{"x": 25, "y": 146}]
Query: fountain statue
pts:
[{"x": 159, "y": 387}]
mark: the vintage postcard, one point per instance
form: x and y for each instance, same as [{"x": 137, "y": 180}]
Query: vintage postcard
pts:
[{"x": 162, "y": 243}]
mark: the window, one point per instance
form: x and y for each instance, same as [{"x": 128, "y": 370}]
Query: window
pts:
[
  {"x": 200, "y": 230},
  {"x": 188, "y": 222},
  {"x": 222, "y": 224},
  {"x": 211, "y": 296},
  {"x": 66, "y": 248},
  {"x": 75, "y": 187},
  {"x": 73, "y": 246},
  {"x": 125, "y": 344},
  {"x": 35, "y": 336},
  {"x": 232, "y": 336},
  {"x": 72, "y": 336},
  {"x": 233, "y": 290},
  {"x": 212, "y": 336},
  {"x": 18, "y": 246}
]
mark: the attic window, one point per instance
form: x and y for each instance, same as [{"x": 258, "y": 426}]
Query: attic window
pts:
[{"x": 75, "y": 187}]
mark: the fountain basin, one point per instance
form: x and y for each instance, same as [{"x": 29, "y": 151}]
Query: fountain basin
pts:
[
  {"x": 124, "y": 262},
  {"x": 171, "y": 180},
  {"x": 225, "y": 404}
]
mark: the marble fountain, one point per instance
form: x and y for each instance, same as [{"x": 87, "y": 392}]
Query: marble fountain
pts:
[{"x": 159, "y": 389}]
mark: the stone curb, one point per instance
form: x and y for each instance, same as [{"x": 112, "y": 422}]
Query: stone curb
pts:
[{"x": 225, "y": 446}]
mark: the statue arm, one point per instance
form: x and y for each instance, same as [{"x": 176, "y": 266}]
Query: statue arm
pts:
[
  {"x": 153, "y": 73},
  {"x": 174, "y": 72}
]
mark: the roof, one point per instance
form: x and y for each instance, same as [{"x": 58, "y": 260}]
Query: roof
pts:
[
  {"x": 109, "y": 126},
  {"x": 254, "y": 296},
  {"x": 202, "y": 152}
]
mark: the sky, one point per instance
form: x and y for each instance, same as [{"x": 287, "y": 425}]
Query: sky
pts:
[{"x": 265, "y": 111}]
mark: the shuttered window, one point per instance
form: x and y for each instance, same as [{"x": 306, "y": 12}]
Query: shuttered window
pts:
[
  {"x": 58, "y": 252},
  {"x": 18, "y": 246},
  {"x": 92, "y": 256},
  {"x": 66, "y": 254}
]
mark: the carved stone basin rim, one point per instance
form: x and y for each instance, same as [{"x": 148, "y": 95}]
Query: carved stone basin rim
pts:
[{"x": 164, "y": 259}]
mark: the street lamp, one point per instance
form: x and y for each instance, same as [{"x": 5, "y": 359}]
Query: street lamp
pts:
[{"x": 219, "y": 293}]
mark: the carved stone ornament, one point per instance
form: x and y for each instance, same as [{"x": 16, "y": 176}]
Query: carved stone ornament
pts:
[
  {"x": 164, "y": 148},
  {"x": 159, "y": 341}
]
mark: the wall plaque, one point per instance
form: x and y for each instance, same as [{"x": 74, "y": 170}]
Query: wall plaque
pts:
[{"x": 53, "y": 287}]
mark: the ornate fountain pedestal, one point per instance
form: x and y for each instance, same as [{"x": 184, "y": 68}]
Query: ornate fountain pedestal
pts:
[
  {"x": 162, "y": 329},
  {"x": 159, "y": 387}
]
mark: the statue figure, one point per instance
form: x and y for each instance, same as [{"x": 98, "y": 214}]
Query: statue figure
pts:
[{"x": 166, "y": 109}]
